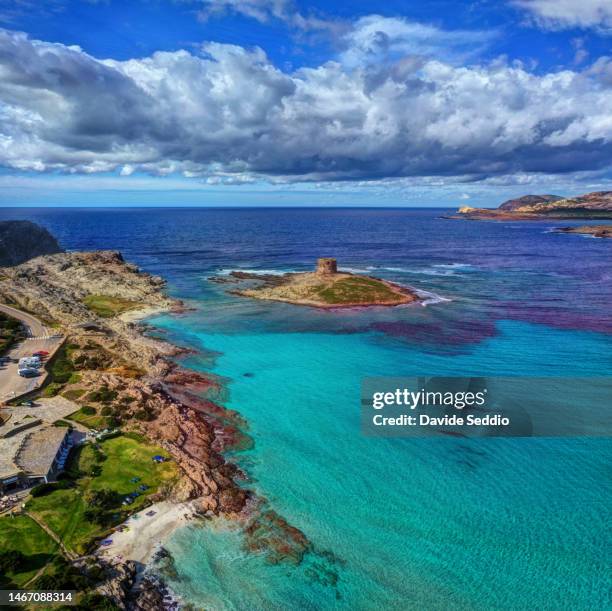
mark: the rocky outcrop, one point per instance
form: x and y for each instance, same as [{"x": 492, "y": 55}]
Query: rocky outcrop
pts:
[
  {"x": 594, "y": 205},
  {"x": 21, "y": 241},
  {"x": 56, "y": 287},
  {"x": 528, "y": 200},
  {"x": 118, "y": 582},
  {"x": 596, "y": 231}
]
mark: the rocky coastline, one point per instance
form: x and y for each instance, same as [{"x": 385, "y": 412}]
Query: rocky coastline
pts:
[
  {"x": 75, "y": 293},
  {"x": 595, "y": 231},
  {"x": 596, "y": 205}
]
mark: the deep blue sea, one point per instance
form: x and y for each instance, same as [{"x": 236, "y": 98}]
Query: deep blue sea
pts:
[{"x": 395, "y": 523}]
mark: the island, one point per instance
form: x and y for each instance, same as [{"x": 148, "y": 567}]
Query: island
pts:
[
  {"x": 326, "y": 287},
  {"x": 596, "y": 205},
  {"x": 596, "y": 231}
]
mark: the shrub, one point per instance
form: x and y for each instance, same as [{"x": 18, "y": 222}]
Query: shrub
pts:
[
  {"x": 62, "y": 368},
  {"x": 63, "y": 577},
  {"x": 88, "y": 410},
  {"x": 98, "y": 516},
  {"x": 63, "y": 423},
  {"x": 12, "y": 561},
  {"x": 44, "y": 489},
  {"x": 103, "y": 395},
  {"x": 73, "y": 393},
  {"x": 103, "y": 499},
  {"x": 96, "y": 602},
  {"x": 52, "y": 389}
]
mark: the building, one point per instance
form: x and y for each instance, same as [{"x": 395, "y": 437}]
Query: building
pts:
[{"x": 32, "y": 453}]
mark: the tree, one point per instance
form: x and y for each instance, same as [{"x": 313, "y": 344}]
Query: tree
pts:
[{"x": 12, "y": 561}]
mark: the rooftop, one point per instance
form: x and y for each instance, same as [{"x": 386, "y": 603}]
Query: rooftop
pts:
[{"x": 39, "y": 450}]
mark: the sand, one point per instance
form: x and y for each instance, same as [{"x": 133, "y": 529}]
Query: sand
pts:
[
  {"x": 139, "y": 314},
  {"x": 146, "y": 534}
]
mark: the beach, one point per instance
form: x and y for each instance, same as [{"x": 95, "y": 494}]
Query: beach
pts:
[{"x": 143, "y": 533}]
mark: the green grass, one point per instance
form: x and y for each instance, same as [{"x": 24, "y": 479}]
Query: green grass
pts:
[
  {"x": 92, "y": 421},
  {"x": 51, "y": 390},
  {"x": 126, "y": 457},
  {"x": 107, "y": 306},
  {"x": 61, "y": 368},
  {"x": 356, "y": 290},
  {"x": 73, "y": 393},
  {"x": 22, "y": 534}
]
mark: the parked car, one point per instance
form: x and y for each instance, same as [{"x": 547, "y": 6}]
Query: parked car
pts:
[
  {"x": 41, "y": 353},
  {"x": 28, "y": 372},
  {"x": 29, "y": 362},
  {"x": 28, "y": 403}
]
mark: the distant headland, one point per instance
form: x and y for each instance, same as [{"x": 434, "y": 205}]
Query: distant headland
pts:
[
  {"x": 596, "y": 231},
  {"x": 326, "y": 287},
  {"x": 596, "y": 205}
]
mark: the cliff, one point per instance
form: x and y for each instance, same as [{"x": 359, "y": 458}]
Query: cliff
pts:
[
  {"x": 23, "y": 240},
  {"x": 529, "y": 200}
]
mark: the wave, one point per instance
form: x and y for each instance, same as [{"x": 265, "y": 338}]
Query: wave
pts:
[
  {"x": 358, "y": 270},
  {"x": 438, "y": 269},
  {"x": 430, "y": 298},
  {"x": 269, "y": 272}
]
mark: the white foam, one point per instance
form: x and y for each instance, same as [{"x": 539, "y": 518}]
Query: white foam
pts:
[
  {"x": 430, "y": 298},
  {"x": 268, "y": 272},
  {"x": 358, "y": 270}
]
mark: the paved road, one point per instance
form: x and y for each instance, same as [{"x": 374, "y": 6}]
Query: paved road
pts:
[
  {"x": 34, "y": 326},
  {"x": 40, "y": 338}
]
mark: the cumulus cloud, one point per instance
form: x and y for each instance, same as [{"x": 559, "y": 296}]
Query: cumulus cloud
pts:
[
  {"x": 229, "y": 114},
  {"x": 560, "y": 14}
]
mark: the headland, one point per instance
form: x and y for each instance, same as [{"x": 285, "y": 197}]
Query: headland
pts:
[
  {"x": 596, "y": 205},
  {"x": 596, "y": 231},
  {"x": 121, "y": 380}
]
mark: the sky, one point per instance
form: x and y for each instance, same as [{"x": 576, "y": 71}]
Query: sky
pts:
[{"x": 283, "y": 103}]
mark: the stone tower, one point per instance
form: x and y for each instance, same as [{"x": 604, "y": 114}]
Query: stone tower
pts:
[{"x": 326, "y": 266}]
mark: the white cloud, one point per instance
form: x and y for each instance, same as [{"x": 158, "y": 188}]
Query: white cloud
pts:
[
  {"x": 559, "y": 14},
  {"x": 375, "y": 39},
  {"x": 265, "y": 11},
  {"x": 229, "y": 114}
]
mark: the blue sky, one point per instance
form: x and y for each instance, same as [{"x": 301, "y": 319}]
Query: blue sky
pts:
[{"x": 258, "y": 102}]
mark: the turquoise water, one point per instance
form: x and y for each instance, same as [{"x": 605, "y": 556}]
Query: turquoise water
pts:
[
  {"x": 395, "y": 524},
  {"x": 415, "y": 524}
]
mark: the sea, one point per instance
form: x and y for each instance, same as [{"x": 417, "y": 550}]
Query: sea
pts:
[{"x": 424, "y": 524}]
